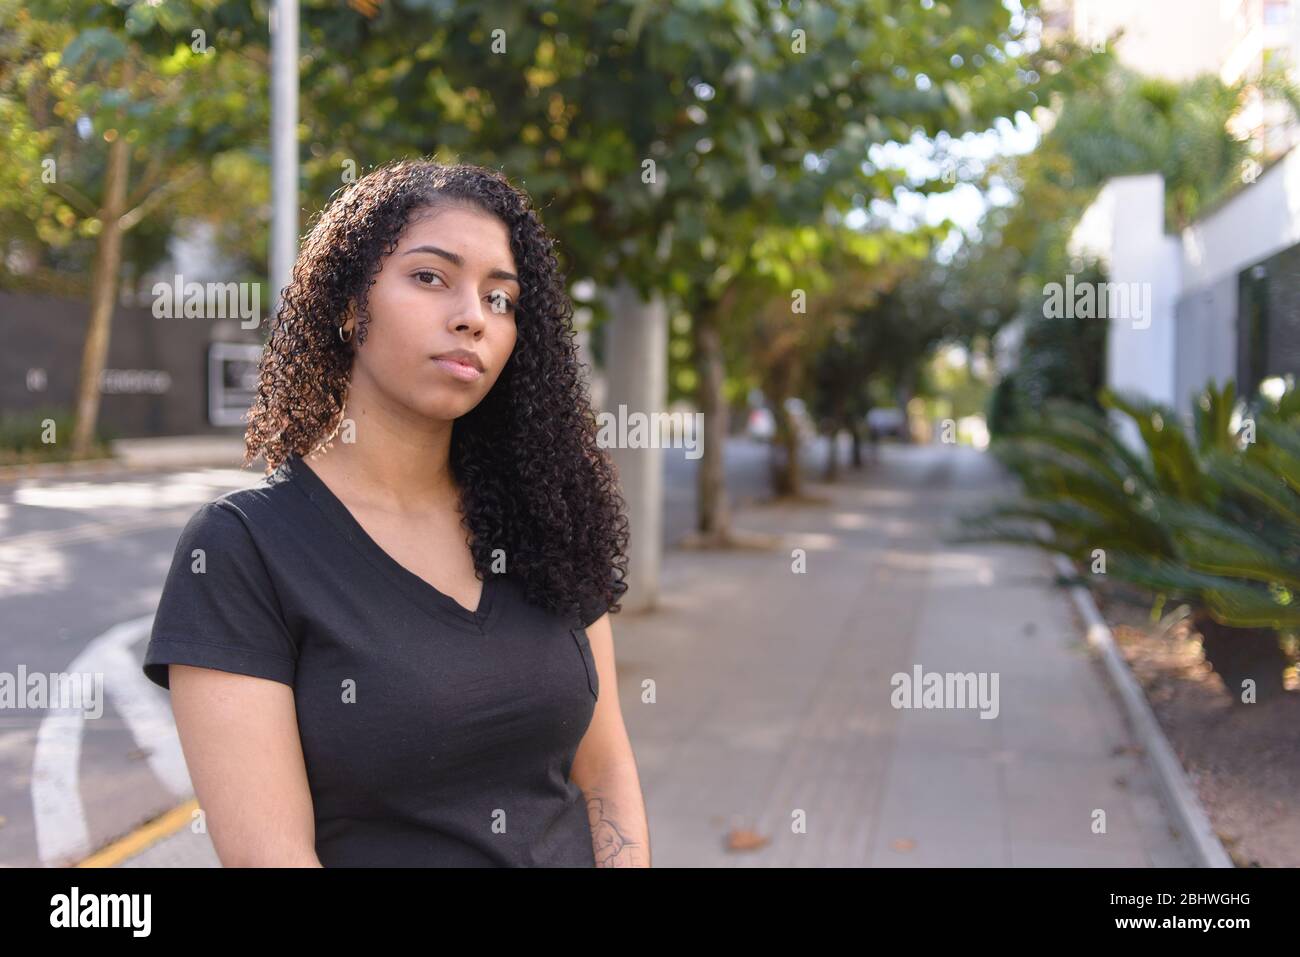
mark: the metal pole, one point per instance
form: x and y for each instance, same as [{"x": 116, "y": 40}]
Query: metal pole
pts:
[{"x": 284, "y": 145}]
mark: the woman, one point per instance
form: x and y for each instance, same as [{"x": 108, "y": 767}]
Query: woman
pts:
[{"x": 393, "y": 654}]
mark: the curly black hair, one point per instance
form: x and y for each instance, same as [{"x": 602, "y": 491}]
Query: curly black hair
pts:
[{"x": 533, "y": 480}]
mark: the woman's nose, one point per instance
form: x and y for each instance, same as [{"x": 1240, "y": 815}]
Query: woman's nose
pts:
[{"x": 469, "y": 317}]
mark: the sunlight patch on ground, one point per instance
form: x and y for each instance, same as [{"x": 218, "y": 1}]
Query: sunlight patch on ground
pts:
[{"x": 180, "y": 489}]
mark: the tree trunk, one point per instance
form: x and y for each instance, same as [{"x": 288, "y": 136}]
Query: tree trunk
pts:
[
  {"x": 778, "y": 386},
  {"x": 713, "y": 515},
  {"x": 108, "y": 262},
  {"x": 832, "y": 473},
  {"x": 855, "y": 435},
  {"x": 1241, "y": 654},
  {"x": 785, "y": 451},
  {"x": 903, "y": 395},
  {"x": 793, "y": 474}
]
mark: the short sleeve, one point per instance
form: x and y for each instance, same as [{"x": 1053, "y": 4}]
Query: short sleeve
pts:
[
  {"x": 592, "y": 606},
  {"x": 219, "y": 607}
]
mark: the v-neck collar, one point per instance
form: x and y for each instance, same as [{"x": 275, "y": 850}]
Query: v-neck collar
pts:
[{"x": 423, "y": 594}]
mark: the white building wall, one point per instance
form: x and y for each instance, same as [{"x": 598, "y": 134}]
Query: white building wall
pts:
[
  {"x": 1192, "y": 337},
  {"x": 1124, "y": 228},
  {"x": 1263, "y": 218},
  {"x": 1174, "y": 39}
]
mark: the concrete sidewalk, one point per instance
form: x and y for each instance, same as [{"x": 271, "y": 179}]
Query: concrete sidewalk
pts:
[{"x": 772, "y": 696}]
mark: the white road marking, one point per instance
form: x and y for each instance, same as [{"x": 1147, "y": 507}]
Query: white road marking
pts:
[{"x": 62, "y": 835}]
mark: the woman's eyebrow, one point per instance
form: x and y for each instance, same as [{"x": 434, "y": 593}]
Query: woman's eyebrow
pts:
[{"x": 459, "y": 261}]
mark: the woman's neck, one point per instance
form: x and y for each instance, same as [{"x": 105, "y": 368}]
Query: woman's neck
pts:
[{"x": 395, "y": 465}]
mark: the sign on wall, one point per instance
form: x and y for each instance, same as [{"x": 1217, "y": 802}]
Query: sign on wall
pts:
[{"x": 232, "y": 381}]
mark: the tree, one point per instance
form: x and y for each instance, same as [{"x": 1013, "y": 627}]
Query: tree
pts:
[
  {"x": 663, "y": 138},
  {"x": 818, "y": 342},
  {"x": 93, "y": 93}
]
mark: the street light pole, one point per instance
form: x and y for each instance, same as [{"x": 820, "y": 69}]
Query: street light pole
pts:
[{"x": 284, "y": 145}]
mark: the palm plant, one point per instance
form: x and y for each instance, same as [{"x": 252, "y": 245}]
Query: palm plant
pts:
[{"x": 1210, "y": 518}]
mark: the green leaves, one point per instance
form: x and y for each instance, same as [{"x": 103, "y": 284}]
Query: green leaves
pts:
[
  {"x": 127, "y": 67},
  {"x": 1172, "y": 456},
  {"x": 93, "y": 50},
  {"x": 1215, "y": 522},
  {"x": 1230, "y": 602},
  {"x": 1256, "y": 482},
  {"x": 1213, "y": 412},
  {"x": 1278, "y": 448}
]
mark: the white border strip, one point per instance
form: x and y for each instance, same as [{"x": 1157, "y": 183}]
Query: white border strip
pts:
[{"x": 1178, "y": 792}]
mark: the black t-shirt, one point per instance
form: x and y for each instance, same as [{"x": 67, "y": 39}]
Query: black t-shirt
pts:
[{"x": 433, "y": 735}]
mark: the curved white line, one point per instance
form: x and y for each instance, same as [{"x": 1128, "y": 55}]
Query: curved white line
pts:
[{"x": 62, "y": 835}]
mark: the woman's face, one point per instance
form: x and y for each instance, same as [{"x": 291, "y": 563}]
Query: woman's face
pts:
[{"x": 442, "y": 314}]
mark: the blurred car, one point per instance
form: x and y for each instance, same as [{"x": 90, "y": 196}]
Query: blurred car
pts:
[
  {"x": 762, "y": 425},
  {"x": 882, "y": 422},
  {"x": 803, "y": 422}
]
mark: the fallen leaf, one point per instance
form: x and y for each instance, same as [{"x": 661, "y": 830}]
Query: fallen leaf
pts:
[{"x": 742, "y": 839}]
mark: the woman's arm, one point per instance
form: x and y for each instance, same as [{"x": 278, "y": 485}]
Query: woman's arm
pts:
[
  {"x": 605, "y": 769},
  {"x": 241, "y": 744}
]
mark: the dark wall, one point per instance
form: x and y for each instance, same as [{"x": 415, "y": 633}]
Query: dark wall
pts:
[
  {"x": 39, "y": 332},
  {"x": 1268, "y": 319}
]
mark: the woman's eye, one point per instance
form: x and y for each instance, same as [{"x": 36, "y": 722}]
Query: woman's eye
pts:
[
  {"x": 501, "y": 303},
  {"x": 420, "y": 275}
]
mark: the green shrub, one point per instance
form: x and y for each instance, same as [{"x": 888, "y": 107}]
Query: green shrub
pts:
[
  {"x": 1210, "y": 519},
  {"x": 21, "y": 435}
]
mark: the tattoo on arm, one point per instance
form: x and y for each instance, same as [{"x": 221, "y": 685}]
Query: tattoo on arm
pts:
[{"x": 612, "y": 847}]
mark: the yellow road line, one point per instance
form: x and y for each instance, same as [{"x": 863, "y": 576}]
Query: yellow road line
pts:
[{"x": 143, "y": 837}]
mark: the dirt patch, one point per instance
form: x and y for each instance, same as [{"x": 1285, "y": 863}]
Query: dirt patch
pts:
[{"x": 1243, "y": 759}]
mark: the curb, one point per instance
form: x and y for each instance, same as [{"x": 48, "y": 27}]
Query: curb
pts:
[
  {"x": 1177, "y": 790},
  {"x": 143, "y": 837}
]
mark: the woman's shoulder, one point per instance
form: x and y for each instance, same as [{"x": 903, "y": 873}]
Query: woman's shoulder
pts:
[
  {"x": 248, "y": 510},
  {"x": 274, "y": 492},
  {"x": 220, "y": 605}
]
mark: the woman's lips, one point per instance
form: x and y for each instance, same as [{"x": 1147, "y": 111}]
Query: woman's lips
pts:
[{"x": 461, "y": 370}]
